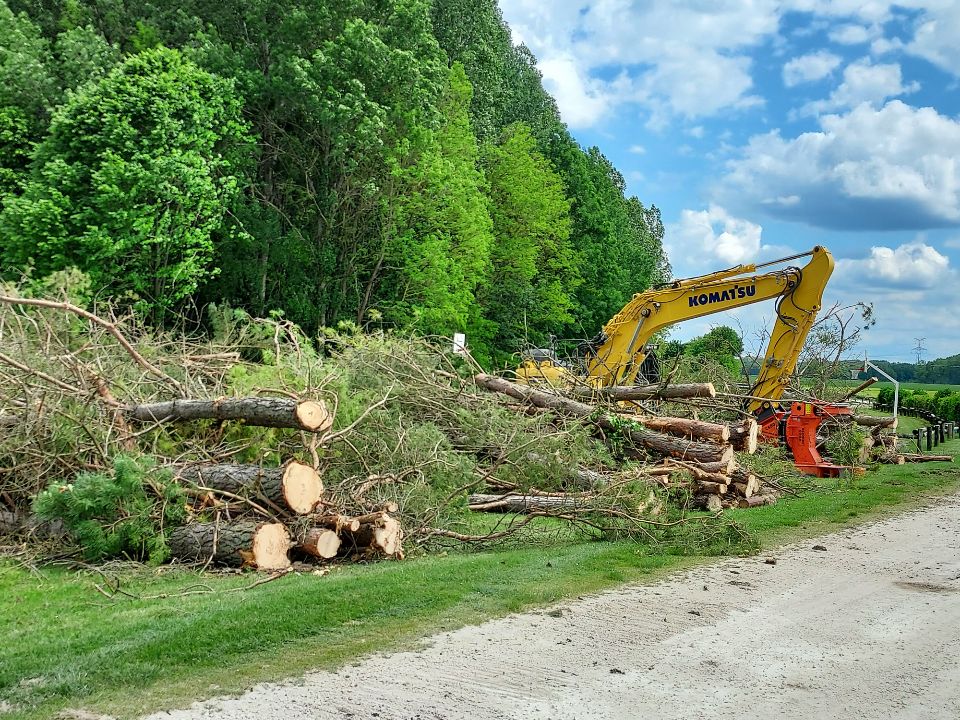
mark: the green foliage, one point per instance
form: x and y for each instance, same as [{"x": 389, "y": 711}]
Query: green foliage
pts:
[
  {"x": 124, "y": 514},
  {"x": 722, "y": 344},
  {"x": 845, "y": 445},
  {"x": 530, "y": 290},
  {"x": 133, "y": 182}
]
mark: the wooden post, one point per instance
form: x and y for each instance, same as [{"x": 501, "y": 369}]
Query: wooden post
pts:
[
  {"x": 929, "y": 432},
  {"x": 940, "y": 431},
  {"x": 916, "y": 438}
]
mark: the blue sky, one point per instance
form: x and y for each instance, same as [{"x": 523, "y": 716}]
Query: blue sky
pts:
[{"x": 761, "y": 128}]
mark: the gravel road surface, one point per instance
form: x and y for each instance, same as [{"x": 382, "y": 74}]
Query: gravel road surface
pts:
[{"x": 863, "y": 623}]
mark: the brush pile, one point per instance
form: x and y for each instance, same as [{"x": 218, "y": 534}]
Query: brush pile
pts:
[{"x": 256, "y": 446}]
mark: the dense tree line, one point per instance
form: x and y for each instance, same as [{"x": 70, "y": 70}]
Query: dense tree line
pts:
[
  {"x": 940, "y": 371},
  {"x": 374, "y": 161}
]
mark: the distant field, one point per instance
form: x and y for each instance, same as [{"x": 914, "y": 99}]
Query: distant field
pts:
[{"x": 874, "y": 390}]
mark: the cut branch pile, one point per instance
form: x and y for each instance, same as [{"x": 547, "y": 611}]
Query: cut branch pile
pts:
[{"x": 695, "y": 455}]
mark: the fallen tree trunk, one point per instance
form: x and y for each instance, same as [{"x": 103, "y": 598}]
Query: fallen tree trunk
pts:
[
  {"x": 756, "y": 501},
  {"x": 662, "y": 444},
  {"x": 309, "y": 415},
  {"x": 259, "y": 545},
  {"x": 698, "y": 429},
  {"x": 745, "y": 436},
  {"x": 320, "y": 542},
  {"x": 645, "y": 392},
  {"x": 295, "y": 486},
  {"x": 875, "y": 422},
  {"x": 382, "y": 535},
  {"x": 523, "y": 503},
  {"x": 698, "y": 473},
  {"x": 917, "y": 458}
]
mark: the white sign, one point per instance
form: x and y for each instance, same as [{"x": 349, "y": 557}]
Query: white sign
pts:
[{"x": 460, "y": 343}]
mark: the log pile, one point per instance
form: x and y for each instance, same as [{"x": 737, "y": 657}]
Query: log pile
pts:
[
  {"x": 690, "y": 453},
  {"x": 261, "y": 514}
]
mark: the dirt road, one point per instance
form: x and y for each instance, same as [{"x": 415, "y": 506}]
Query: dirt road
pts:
[{"x": 868, "y": 627}]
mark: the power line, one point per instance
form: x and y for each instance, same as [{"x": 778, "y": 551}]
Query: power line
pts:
[{"x": 919, "y": 349}]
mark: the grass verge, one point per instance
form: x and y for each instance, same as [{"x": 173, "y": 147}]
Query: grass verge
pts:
[{"x": 66, "y": 646}]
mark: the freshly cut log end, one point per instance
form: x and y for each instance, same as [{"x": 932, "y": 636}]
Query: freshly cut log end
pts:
[
  {"x": 321, "y": 543},
  {"x": 382, "y": 535},
  {"x": 301, "y": 487},
  {"x": 746, "y": 436},
  {"x": 262, "y": 545},
  {"x": 314, "y": 416},
  {"x": 697, "y": 429},
  {"x": 338, "y": 523}
]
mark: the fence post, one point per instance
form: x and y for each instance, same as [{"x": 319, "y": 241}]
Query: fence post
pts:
[{"x": 929, "y": 432}]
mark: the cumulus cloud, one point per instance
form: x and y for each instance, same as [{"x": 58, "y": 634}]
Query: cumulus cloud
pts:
[
  {"x": 581, "y": 100},
  {"x": 807, "y": 68},
  {"x": 638, "y": 149},
  {"x": 714, "y": 233},
  {"x": 850, "y": 34},
  {"x": 863, "y": 82},
  {"x": 913, "y": 265},
  {"x": 935, "y": 38},
  {"x": 889, "y": 168}
]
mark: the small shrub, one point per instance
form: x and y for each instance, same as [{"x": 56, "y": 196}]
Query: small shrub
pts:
[{"x": 122, "y": 514}]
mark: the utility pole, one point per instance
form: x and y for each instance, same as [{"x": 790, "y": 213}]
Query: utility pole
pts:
[{"x": 919, "y": 349}]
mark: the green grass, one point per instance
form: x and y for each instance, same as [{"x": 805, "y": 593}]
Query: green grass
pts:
[{"x": 65, "y": 645}]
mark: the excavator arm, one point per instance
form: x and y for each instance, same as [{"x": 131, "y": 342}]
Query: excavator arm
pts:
[{"x": 616, "y": 354}]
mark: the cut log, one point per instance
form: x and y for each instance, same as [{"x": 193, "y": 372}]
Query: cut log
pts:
[
  {"x": 295, "y": 486},
  {"x": 756, "y": 501},
  {"x": 917, "y": 458},
  {"x": 8, "y": 421},
  {"x": 658, "y": 442},
  {"x": 889, "y": 422},
  {"x": 745, "y": 436},
  {"x": 711, "y": 503},
  {"x": 697, "y": 429},
  {"x": 746, "y": 485},
  {"x": 645, "y": 392},
  {"x": 309, "y": 415},
  {"x": 381, "y": 536},
  {"x": 337, "y": 523},
  {"x": 524, "y": 503},
  {"x": 698, "y": 474},
  {"x": 321, "y": 543},
  {"x": 859, "y": 388},
  {"x": 720, "y": 468},
  {"x": 711, "y": 488},
  {"x": 259, "y": 545}
]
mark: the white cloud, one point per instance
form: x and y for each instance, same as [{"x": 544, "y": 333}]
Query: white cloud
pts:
[
  {"x": 638, "y": 149},
  {"x": 697, "y": 132},
  {"x": 913, "y": 265},
  {"x": 890, "y": 168},
  {"x": 935, "y": 38},
  {"x": 853, "y": 34},
  {"x": 714, "y": 234},
  {"x": 581, "y": 100},
  {"x": 863, "y": 82},
  {"x": 808, "y": 68},
  {"x": 952, "y": 242}
]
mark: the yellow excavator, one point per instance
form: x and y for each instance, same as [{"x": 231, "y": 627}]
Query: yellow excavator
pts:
[{"x": 619, "y": 353}]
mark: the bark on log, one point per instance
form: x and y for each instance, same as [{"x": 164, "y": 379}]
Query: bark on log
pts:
[
  {"x": 382, "y": 535},
  {"x": 698, "y": 429},
  {"x": 871, "y": 421},
  {"x": 711, "y": 503},
  {"x": 309, "y": 415},
  {"x": 321, "y": 543},
  {"x": 259, "y": 545},
  {"x": 712, "y": 488},
  {"x": 645, "y": 392},
  {"x": 662, "y": 444},
  {"x": 917, "y": 458},
  {"x": 859, "y": 388},
  {"x": 720, "y": 468},
  {"x": 295, "y": 485},
  {"x": 756, "y": 501},
  {"x": 745, "y": 436},
  {"x": 698, "y": 474},
  {"x": 746, "y": 485},
  {"x": 337, "y": 523},
  {"x": 523, "y": 503}
]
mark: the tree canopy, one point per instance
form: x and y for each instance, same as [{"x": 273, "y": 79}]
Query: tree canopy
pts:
[{"x": 374, "y": 161}]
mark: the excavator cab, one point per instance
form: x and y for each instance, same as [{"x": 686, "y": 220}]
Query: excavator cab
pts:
[{"x": 543, "y": 366}]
